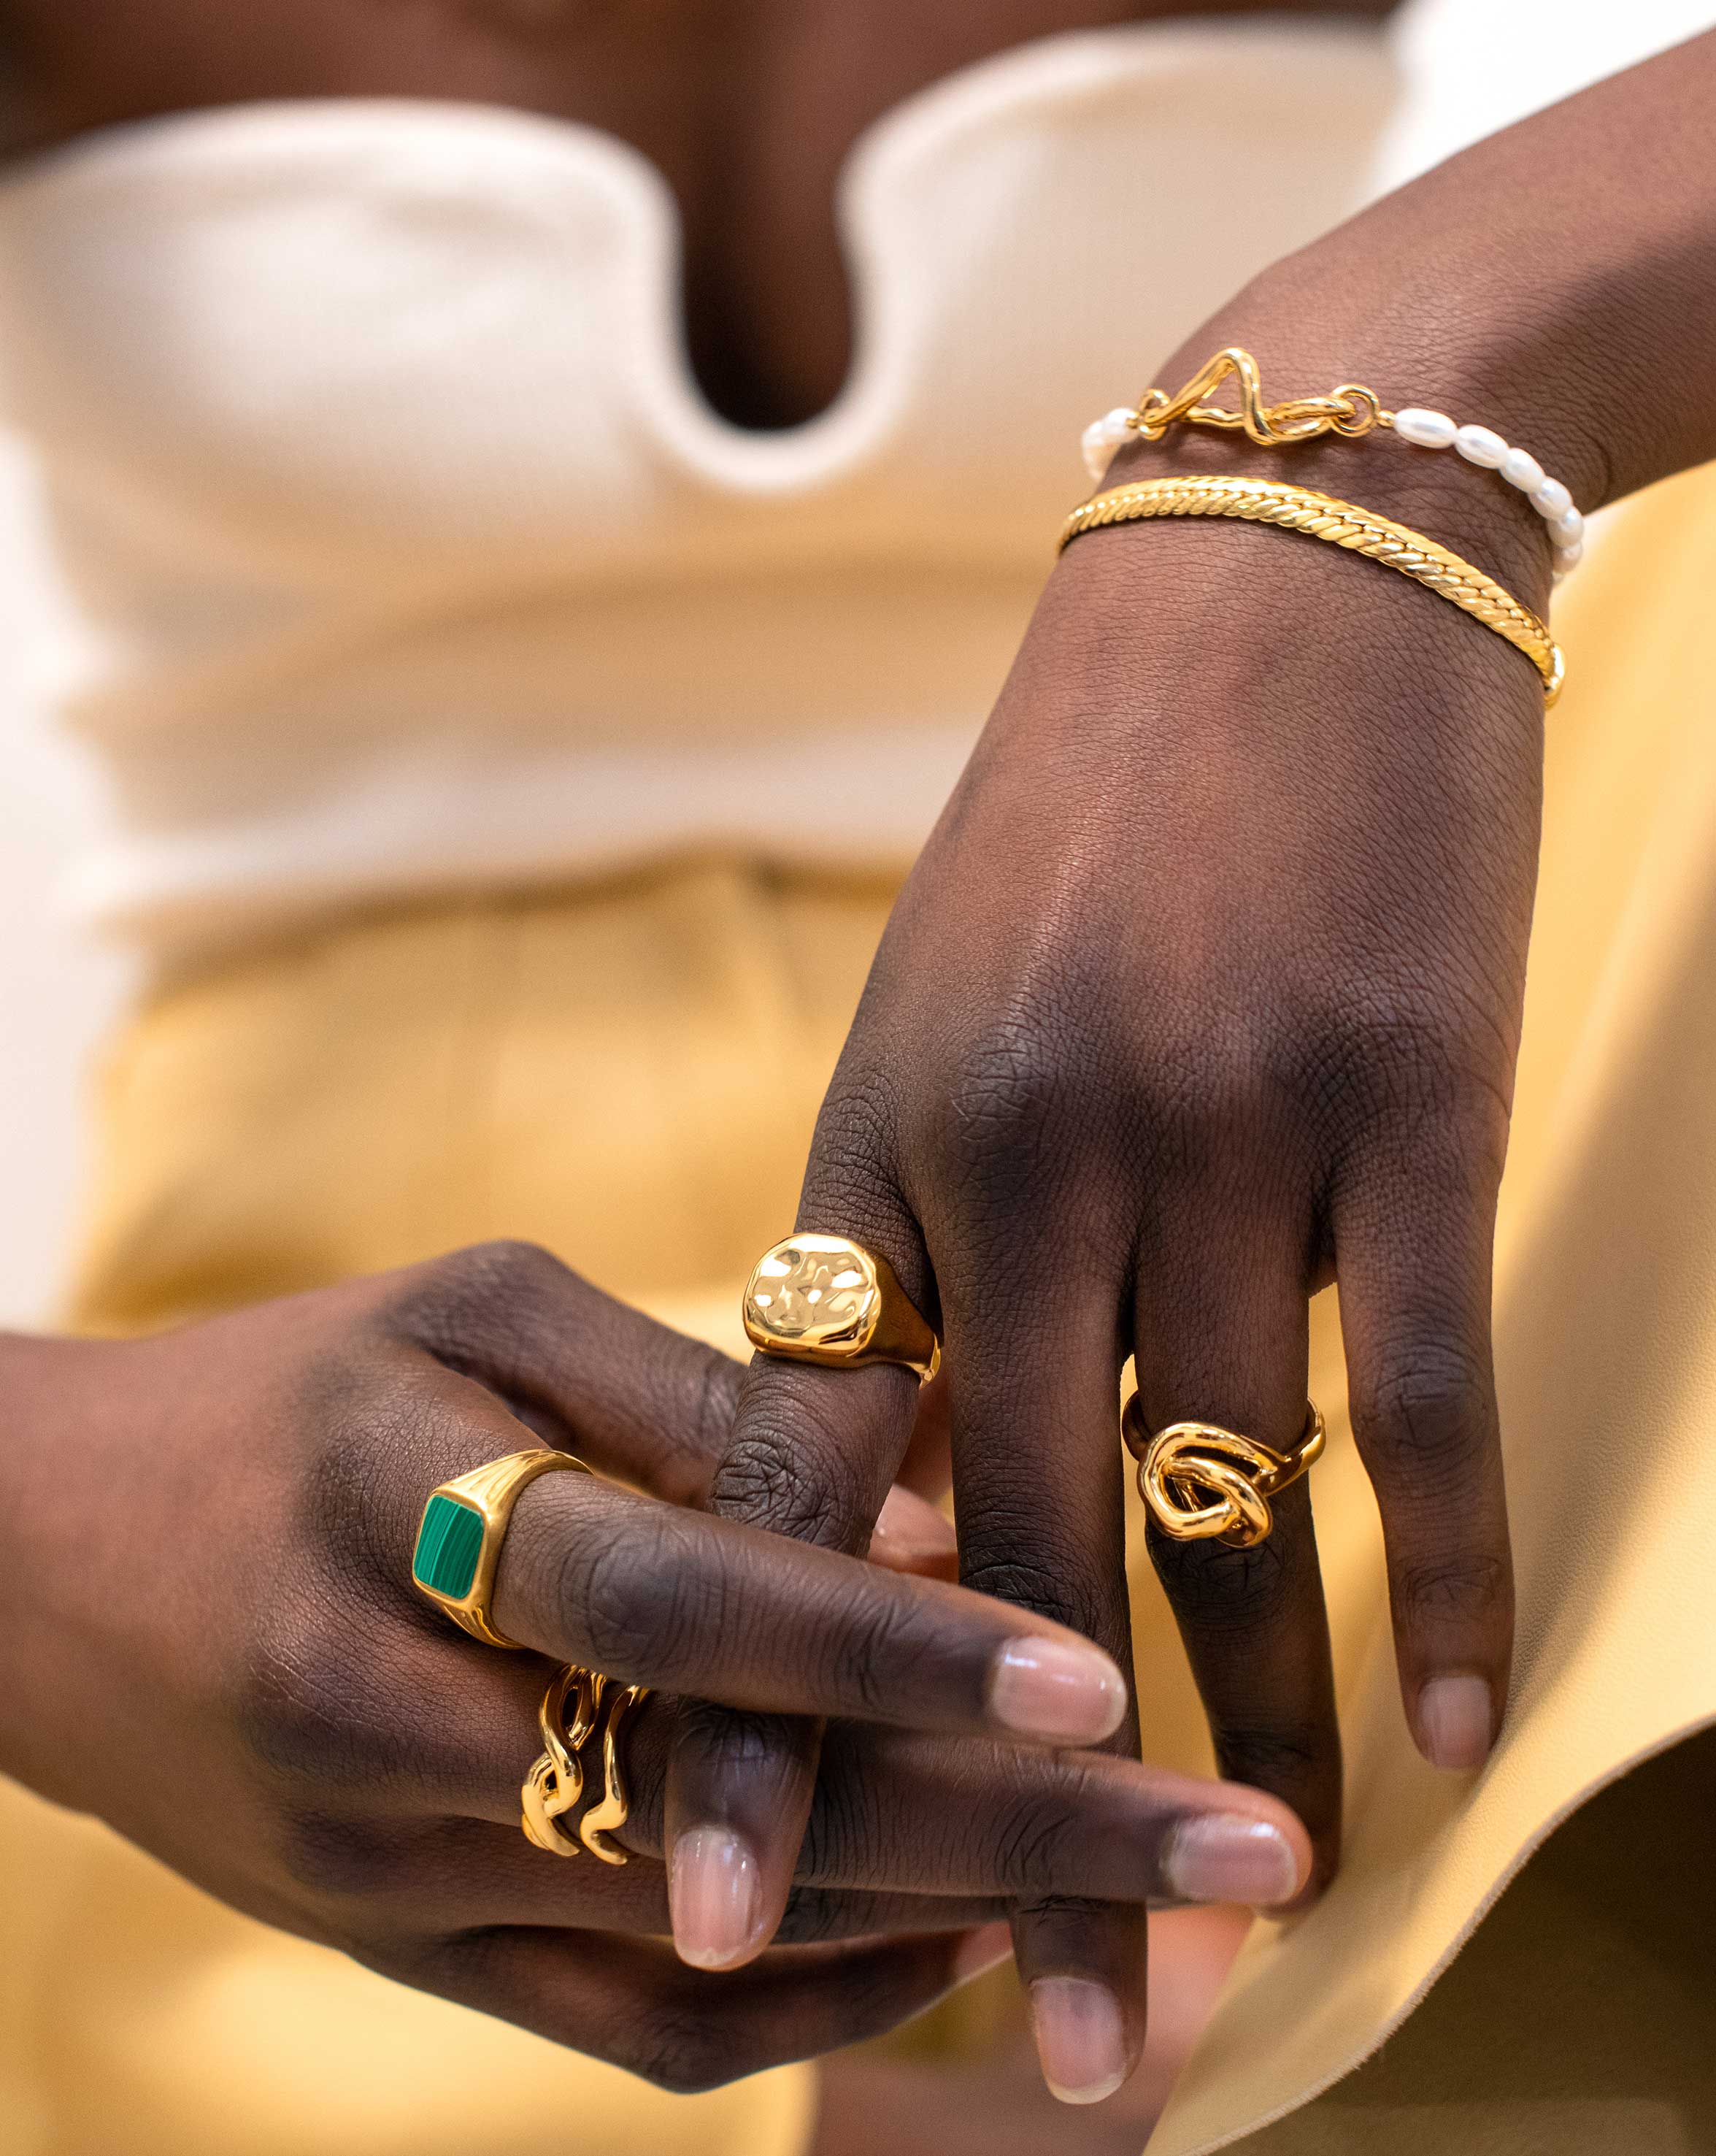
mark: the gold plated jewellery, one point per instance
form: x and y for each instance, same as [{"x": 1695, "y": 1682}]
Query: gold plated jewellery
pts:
[
  {"x": 1203, "y": 1483},
  {"x": 824, "y": 1299},
  {"x": 1342, "y": 524},
  {"x": 458, "y": 1545},
  {"x": 1350, "y": 410},
  {"x": 464, "y": 1524},
  {"x": 574, "y": 1707}
]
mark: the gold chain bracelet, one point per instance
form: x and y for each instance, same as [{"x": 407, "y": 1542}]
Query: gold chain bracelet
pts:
[{"x": 1321, "y": 516}]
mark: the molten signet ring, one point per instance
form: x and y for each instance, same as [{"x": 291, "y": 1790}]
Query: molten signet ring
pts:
[
  {"x": 1203, "y": 1483},
  {"x": 824, "y": 1298}
]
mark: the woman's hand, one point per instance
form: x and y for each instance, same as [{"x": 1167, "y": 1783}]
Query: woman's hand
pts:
[
  {"x": 208, "y": 1634},
  {"x": 1207, "y": 988},
  {"x": 1207, "y": 985}
]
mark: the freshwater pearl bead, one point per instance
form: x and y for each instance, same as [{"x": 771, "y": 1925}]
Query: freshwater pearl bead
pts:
[
  {"x": 1480, "y": 446},
  {"x": 1102, "y": 438},
  {"x": 1520, "y": 469},
  {"x": 1568, "y": 530},
  {"x": 1551, "y": 500},
  {"x": 1569, "y": 557},
  {"x": 1430, "y": 430}
]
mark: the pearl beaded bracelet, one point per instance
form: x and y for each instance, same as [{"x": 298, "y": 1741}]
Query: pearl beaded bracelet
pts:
[
  {"x": 1350, "y": 411},
  {"x": 1483, "y": 446}
]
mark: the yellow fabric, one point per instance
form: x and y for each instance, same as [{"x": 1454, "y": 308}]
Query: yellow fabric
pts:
[
  {"x": 631, "y": 1077},
  {"x": 572, "y": 1066}
]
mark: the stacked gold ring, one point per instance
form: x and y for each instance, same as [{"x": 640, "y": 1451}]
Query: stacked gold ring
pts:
[
  {"x": 578, "y": 1703},
  {"x": 1203, "y": 1483}
]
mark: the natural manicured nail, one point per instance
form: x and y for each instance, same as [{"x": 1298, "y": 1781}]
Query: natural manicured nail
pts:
[
  {"x": 1081, "y": 2038},
  {"x": 1456, "y": 1724},
  {"x": 911, "y": 1536},
  {"x": 1227, "y": 1857},
  {"x": 1056, "y": 1690},
  {"x": 714, "y": 1891},
  {"x": 982, "y": 1950}
]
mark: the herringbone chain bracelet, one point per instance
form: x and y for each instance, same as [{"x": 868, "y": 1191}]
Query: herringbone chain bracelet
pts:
[{"x": 1341, "y": 524}]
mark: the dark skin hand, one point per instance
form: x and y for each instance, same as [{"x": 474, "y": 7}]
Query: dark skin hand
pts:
[
  {"x": 208, "y": 1634},
  {"x": 1208, "y": 987},
  {"x": 1207, "y": 990}
]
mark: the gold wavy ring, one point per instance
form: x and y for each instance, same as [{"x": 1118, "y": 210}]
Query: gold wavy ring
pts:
[
  {"x": 1203, "y": 1483},
  {"x": 826, "y": 1299},
  {"x": 574, "y": 1704}
]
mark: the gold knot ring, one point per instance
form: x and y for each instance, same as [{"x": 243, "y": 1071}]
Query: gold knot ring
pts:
[
  {"x": 1203, "y": 1483},
  {"x": 825, "y": 1299}
]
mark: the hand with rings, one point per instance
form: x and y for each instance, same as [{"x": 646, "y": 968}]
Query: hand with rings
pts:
[{"x": 239, "y": 1547}]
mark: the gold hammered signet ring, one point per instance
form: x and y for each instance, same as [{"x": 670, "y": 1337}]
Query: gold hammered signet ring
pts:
[
  {"x": 574, "y": 1705},
  {"x": 824, "y": 1299},
  {"x": 1203, "y": 1483}
]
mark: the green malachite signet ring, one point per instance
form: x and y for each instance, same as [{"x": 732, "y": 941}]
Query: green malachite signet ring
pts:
[{"x": 463, "y": 1526}]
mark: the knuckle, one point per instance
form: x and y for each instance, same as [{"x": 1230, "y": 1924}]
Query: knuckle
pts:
[
  {"x": 1036, "y": 1841},
  {"x": 453, "y": 1305},
  {"x": 687, "y": 2050},
  {"x": 1459, "y": 1589},
  {"x": 339, "y": 1859},
  {"x": 1429, "y": 1399},
  {"x": 1216, "y": 1589},
  {"x": 1040, "y": 1587},
  {"x": 641, "y": 1603},
  {"x": 1419, "y": 1058},
  {"x": 1008, "y": 1096},
  {"x": 877, "y": 1653},
  {"x": 311, "y": 1711},
  {"x": 813, "y": 1916},
  {"x": 509, "y": 1267},
  {"x": 856, "y": 1140},
  {"x": 782, "y": 1479},
  {"x": 1270, "y": 1755}
]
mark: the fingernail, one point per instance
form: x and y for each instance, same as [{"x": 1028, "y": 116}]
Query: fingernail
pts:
[
  {"x": 1456, "y": 1724},
  {"x": 1227, "y": 1857},
  {"x": 911, "y": 1536},
  {"x": 982, "y": 1950},
  {"x": 1081, "y": 2038},
  {"x": 713, "y": 1891},
  {"x": 1055, "y": 1689}
]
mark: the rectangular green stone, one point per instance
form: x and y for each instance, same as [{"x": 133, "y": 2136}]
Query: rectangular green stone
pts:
[{"x": 449, "y": 1542}]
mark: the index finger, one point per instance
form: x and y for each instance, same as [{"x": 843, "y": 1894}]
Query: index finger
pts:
[
  {"x": 652, "y": 1595},
  {"x": 811, "y": 1456}
]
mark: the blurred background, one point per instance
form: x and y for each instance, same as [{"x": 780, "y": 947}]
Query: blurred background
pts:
[{"x": 1473, "y": 65}]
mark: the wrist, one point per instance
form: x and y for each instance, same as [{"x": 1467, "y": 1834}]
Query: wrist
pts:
[
  {"x": 1464, "y": 506},
  {"x": 1551, "y": 283},
  {"x": 49, "y": 1568}
]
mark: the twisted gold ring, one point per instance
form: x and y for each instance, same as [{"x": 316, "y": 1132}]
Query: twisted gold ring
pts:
[
  {"x": 825, "y": 1299},
  {"x": 572, "y": 1707},
  {"x": 1203, "y": 1483}
]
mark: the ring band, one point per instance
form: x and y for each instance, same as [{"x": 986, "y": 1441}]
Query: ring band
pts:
[
  {"x": 825, "y": 1299},
  {"x": 1203, "y": 1483},
  {"x": 463, "y": 1525},
  {"x": 573, "y": 1706}
]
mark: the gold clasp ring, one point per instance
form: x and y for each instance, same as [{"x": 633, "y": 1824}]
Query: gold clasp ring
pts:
[{"x": 1351, "y": 410}]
